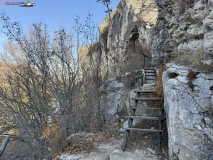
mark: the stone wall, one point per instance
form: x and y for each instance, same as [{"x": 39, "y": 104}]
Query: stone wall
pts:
[{"x": 189, "y": 113}]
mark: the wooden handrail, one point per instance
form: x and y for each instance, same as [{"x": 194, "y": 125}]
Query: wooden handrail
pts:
[
  {"x": 4, "y": 144},
  {"x": 144, "y": 59}
]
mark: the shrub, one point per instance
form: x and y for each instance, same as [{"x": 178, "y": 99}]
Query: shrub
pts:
[
  {"x": 119, "y": 79},
  {"x": 204, "y": 67},
  {"x": 105, "y": 90},
  {"x": 159, "y": 87},
  {"x": 190, "y": 77},
  {"x": 159, "y": 83},
  {"x": 80, "y": 145}
]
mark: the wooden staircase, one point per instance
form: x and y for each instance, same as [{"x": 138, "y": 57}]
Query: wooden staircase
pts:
[
  {"x": 150, "y": 75},
  {"x": 136, "y": 99}
]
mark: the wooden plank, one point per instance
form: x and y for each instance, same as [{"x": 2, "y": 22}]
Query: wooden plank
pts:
[
  {"x": 144, "y": 130},
  {"x": 150, "y": 81},
  {"x": 149, "y": 74},
  {"x": 141, "y": 91},
  {"x": 150, "y": 78},
  {"x": 140, "y": 117},
  {"x": 150, "y": 71},
  {"x": 147, "y": 99},
  {"x": 4, "y": 145},
  {"x": 149, "y": 108}
]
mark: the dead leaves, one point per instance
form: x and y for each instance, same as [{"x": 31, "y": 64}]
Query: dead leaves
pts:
[{"x": 52, "y": 130}]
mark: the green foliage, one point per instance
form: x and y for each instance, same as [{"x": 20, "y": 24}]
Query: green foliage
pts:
[
  {"x": 151, "y": 142},
  {"x": 60, "y": 150},
  {"x": 104, "y": 33},
  {"x": 118, "y": 78},
  {"x": 106, "y": 76},
  {"x": 105, "y": 90},
  {"x": 52, "y": 130}
]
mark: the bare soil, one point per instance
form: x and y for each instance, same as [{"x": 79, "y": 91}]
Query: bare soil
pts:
[{"x": 144, "y": 140}]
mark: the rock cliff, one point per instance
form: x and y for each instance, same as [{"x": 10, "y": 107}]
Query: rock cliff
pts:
[
  {"x": 164, "y": 30},
  {"x": 157, "y": 30}
]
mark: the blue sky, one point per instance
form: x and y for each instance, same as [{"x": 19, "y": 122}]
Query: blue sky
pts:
[{"x": 54, "y": 13}]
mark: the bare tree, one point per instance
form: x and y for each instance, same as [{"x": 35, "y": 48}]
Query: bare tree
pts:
[{"x": 45, "y": 74}]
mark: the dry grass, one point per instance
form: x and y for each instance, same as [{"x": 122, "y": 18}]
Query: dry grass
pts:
[
  {"x": 190, "y": 77},
  {"x": 204, "y": 67},
  {"x": 81, "y": 144},
  {"x": 159, "y": 88},
  {"x": 159, "y": 83},
  {"x": 197, "y": 60}
]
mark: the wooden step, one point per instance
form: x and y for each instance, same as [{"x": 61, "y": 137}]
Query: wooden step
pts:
[
  {"x": 148, "y": 108},
  {"x": 150, "y": 74},
  {"x": 150, "y": 71},
  {"x": 150, "y": 81},
  {"x": 147, "y": 99},
  {"x": 144, "y": 130},
  {"x": 150, "y": 78},
  {"x": 149, "y": 68},
  {"x": 147, "y": 118},
  {"x": 141, "y": 91}
]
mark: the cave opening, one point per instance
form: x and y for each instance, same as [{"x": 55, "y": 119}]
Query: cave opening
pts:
[{"x": 134, "y": 37}]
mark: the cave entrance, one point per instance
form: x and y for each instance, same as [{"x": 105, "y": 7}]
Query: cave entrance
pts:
[
  {"x": 132, "y": 58},
  {"x": 134, "y": 37}
]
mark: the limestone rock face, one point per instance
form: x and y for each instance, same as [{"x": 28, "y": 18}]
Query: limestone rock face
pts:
[
  {"x": 127, "y": 32},
  {"x": 157, "y": 31},
  {"x": 115, "y": 93},
  {"x": 189, "y": 125},
  {"x": 113, "y": 96},
  {"x": 113, "y": 102}
]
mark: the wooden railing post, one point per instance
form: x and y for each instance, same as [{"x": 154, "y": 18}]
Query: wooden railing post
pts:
[
  {"x": 144, "y": 61},
  {"x": 4, "y": 144}
]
